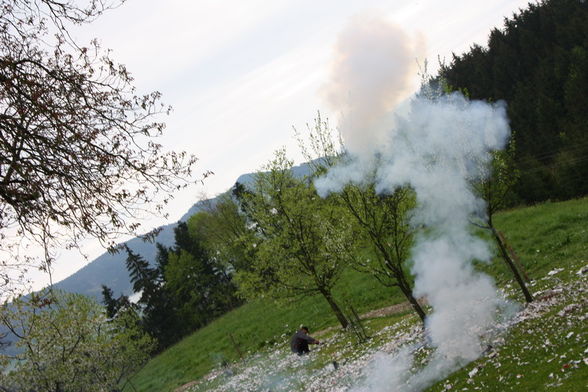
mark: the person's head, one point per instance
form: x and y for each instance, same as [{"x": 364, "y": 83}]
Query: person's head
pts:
[{"x": 304, "y": 329}]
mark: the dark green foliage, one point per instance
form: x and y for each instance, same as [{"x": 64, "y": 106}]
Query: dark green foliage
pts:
[
  {"x": 115, "y": 305},
  {"x": 185, "y": 241},
  {"x": 240, "y": 192},
  {"x": 109, "y": 301},
  {"x": 538, "y": 64},
  {"x": 142, "y": 276},
  {"x": 223, "y": 229},
  {"x": 159, "y": 316},
  {"x": 161, "y": 257},
  {"x": 200, "y": 286},
  {"x": 183, "y": 292}
]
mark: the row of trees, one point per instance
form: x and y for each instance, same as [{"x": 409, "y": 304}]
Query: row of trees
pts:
[
  {"x": 304, "y": 241},
  {"x": 276, "y": 237}
]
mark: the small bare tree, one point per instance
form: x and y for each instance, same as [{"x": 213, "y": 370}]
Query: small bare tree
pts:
[
  {"x": 495, "y": 189},
  {"x": 384, "y": 220}
]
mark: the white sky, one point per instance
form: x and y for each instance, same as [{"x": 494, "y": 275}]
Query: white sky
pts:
[{"x": 241, "y": 73}]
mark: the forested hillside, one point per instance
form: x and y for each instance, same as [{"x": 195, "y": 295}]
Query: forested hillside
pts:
[{"x": 538, "y": 64}]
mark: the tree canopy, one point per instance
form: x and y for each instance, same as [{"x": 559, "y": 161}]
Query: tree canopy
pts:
[
  {"x": 68, "y": 344},
  {"x": 304, "y": 241}
]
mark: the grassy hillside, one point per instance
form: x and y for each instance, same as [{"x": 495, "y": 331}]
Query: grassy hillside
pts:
[{"x": 547, "y": 236}]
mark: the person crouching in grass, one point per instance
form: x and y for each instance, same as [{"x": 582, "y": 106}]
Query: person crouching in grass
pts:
[{"x": 300, "y": 341}]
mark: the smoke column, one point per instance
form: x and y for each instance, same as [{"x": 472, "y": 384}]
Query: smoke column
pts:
[
  {"x": 436, "y": 148},
  {"x": 372, "y": 70}
]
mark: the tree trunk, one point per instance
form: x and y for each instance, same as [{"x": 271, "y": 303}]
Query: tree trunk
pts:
[
  {"x": 336, "y": 309},
  {"x": 510, "y": 263},
  {"x": 407, "y": 291},
  {"x": 514, "y": 257}
]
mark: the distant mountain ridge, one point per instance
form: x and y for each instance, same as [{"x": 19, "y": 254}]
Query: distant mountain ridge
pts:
[{"x": 110, "y": 269}]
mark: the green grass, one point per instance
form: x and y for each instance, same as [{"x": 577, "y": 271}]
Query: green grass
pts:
[{"x": 546, "y": 236}]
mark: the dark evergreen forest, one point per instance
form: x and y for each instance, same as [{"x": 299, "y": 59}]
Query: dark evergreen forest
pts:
[{"x": 538, "y": 64}]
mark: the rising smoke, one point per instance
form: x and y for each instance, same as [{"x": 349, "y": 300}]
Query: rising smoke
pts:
[
  {"x": 436, "y": 147},
  {"x": 373, "y": 69}
]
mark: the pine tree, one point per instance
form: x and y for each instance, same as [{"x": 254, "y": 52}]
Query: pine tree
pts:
[
  {"x": 109, "y": 301},
  {"x": 141, "y": 274}
]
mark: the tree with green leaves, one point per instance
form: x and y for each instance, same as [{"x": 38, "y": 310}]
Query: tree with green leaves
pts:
[
  {"x": 156, "y": 305},
  {"x": 382, "y": 219},
  {"x": 225, "y": 233},
  {"x": 538, "y": 63},
  {"x": 496, "y": 189},
  {"x": 304, "y": 240},
  {"x": 384, "y": 222},
  {"x": 184, "y": 291},
  {"x": 115, "y": 305},
  {"x": 68, "y": 344},
  {"x": 199, "y": 286}
]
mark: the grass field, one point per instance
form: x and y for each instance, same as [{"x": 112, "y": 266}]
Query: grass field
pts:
[{"x": 545, "y": 237}]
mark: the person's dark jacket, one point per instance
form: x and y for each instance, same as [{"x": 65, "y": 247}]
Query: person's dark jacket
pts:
[{"x": 300, "y": 341}]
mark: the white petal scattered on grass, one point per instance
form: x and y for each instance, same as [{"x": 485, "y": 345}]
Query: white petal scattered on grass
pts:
[{"x": 555, "y": 271}]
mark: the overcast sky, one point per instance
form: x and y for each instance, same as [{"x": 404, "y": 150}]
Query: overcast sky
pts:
[{"x": 240, "y": 73}]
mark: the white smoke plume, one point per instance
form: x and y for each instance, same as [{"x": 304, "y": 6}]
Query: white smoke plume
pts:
[
  {"x": 387, "y": 371},
  {"x": 372, "y": 70},
  {"x": 435, "y": 148}
]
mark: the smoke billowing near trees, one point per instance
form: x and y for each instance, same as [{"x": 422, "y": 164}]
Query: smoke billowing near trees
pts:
[{"x": 437, "y": 146}]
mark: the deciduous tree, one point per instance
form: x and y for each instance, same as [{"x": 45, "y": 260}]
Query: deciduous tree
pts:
[
  {"x": 304, "y": 239},
  {"x": 225, "y": 233},
  {"x": 496, "y": 189},
  {"x": 382, "y": 219},
  {"x": 78, "y": 156},
  {"x": 68, "y": 344}
]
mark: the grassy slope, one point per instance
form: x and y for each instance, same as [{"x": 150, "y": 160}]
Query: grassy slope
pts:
[{"x": 545, "y": 236}]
